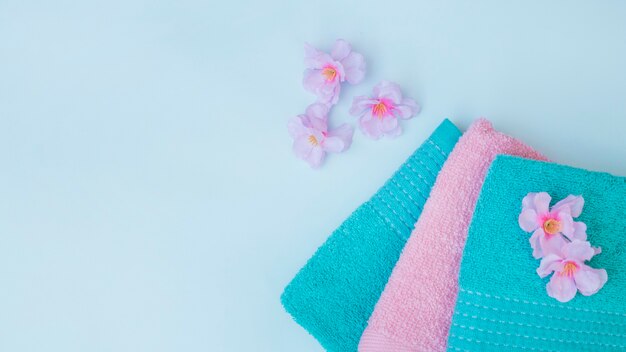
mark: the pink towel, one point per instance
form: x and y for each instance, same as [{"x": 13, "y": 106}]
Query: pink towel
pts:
[{"x": 415, "y": 309}]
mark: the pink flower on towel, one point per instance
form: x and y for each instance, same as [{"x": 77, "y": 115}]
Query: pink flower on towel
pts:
[
  {"x": 550, "y": 225},
  {"x": 325, "y": 72},
  {"x": 570, "y": 272},
  {"x": 312, "y": 139},
  {"x": 379, "y": 114}
]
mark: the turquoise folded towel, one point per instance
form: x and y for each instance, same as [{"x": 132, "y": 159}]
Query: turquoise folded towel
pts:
[
  {"x": 334, "y": 294},
  {"x": 502, "y": 303}
]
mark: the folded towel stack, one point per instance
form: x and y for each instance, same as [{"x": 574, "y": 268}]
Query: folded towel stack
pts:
[{"x": 464, "y": 278}]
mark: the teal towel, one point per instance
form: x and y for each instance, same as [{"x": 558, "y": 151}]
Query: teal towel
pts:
[
  {"x": 502, "y": 303},
  {"x": 334, "y": 294}
]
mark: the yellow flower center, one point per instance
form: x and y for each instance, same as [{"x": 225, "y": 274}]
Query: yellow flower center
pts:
[
  {"x": 329, "y": 73},
  {"x": 313, "y": 140},
  {"x": 551, "y": 226},
  {"x": 380, "y": 110},
  {"x": 569, "y": 269}
]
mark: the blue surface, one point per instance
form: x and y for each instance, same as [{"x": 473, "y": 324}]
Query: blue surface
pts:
[{"x": 149, "y": 200}]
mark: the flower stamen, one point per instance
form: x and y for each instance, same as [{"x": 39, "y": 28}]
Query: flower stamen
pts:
[
  {"x": 379, "y": 110},
  {"x": 569, "y": 269},
  {"x": 330, "y": 73},
  {"x": 551, "y": 226},
  {"x": 313, "y": 140}
]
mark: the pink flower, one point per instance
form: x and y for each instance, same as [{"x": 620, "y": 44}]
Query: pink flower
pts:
[
  {"x": 550, "y": 225},
  {"x": 570, "y": 272},
  {"x": 312, "y": 139},
  {"x": 379, "y": 114},
  {"x": 325, "y": 72}
]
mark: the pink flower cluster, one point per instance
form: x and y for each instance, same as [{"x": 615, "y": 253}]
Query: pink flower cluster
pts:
[
  {"x": 378, "y": 114},
  {"x": 561, "y": 244}
]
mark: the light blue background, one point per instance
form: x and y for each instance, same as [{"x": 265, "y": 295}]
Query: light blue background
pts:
[{"x": 149, "y": 200}]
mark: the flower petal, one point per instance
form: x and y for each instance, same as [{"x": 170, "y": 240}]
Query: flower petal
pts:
[
  {"x": 528, "y": 220},
  {"x": 567, "y": 223},
  {"x": 315, "y": 59},
  {"x": 354, "y": 67},
  {"x": 388, "y": 90},
  {"x": 552, "y": 244},
  {"x": 296, "y": 128},
  {"x": 344, "y": 133},
  {"x": 535, "y": 243},
  {"x": 368, "y": 116},
  {"x": 316, "y": 157},
  {"x": 313, "y": 125},
  {"x": 318, "y": 111},
  {"x": 340, "y": 50},
  {"x": 361, "y": 104},
  {"x": 529, "y": 201},
  {"x": 580, "y": 231},
  {"x": 549, "y": 264},
  {"x": 407, "y": 109},
  {"x": 389, "y": 124},
  {"x": 589, "y": 280},
  {"x": 333, "y": 97},
  {"x": 313, "y": 80},
  {"x": 561, "y": 287},
  {"x": 329, "y": 94},
  {"x": 341, "y": 73},
  {"x": 578, "y": 250},
  {"x": 302, "y": 147},
  {"x": 332, "y": 145},
  {"x": 541, "y": 203},
  {"x": 573, "y": 203},
  {"x": 370, "y": 126}
]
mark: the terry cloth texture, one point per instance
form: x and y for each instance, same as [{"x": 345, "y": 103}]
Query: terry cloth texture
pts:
[
  {"x": 503, "y": 304},
  {"x": 335, "y": 292},
  {"x": 415, "y": 309}
]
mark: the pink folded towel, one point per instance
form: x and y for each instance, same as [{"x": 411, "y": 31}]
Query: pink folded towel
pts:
[{"x": 415, "y": 309}]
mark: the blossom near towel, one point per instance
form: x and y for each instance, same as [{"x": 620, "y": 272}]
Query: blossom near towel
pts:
[{"x": 503, "y": 305}]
